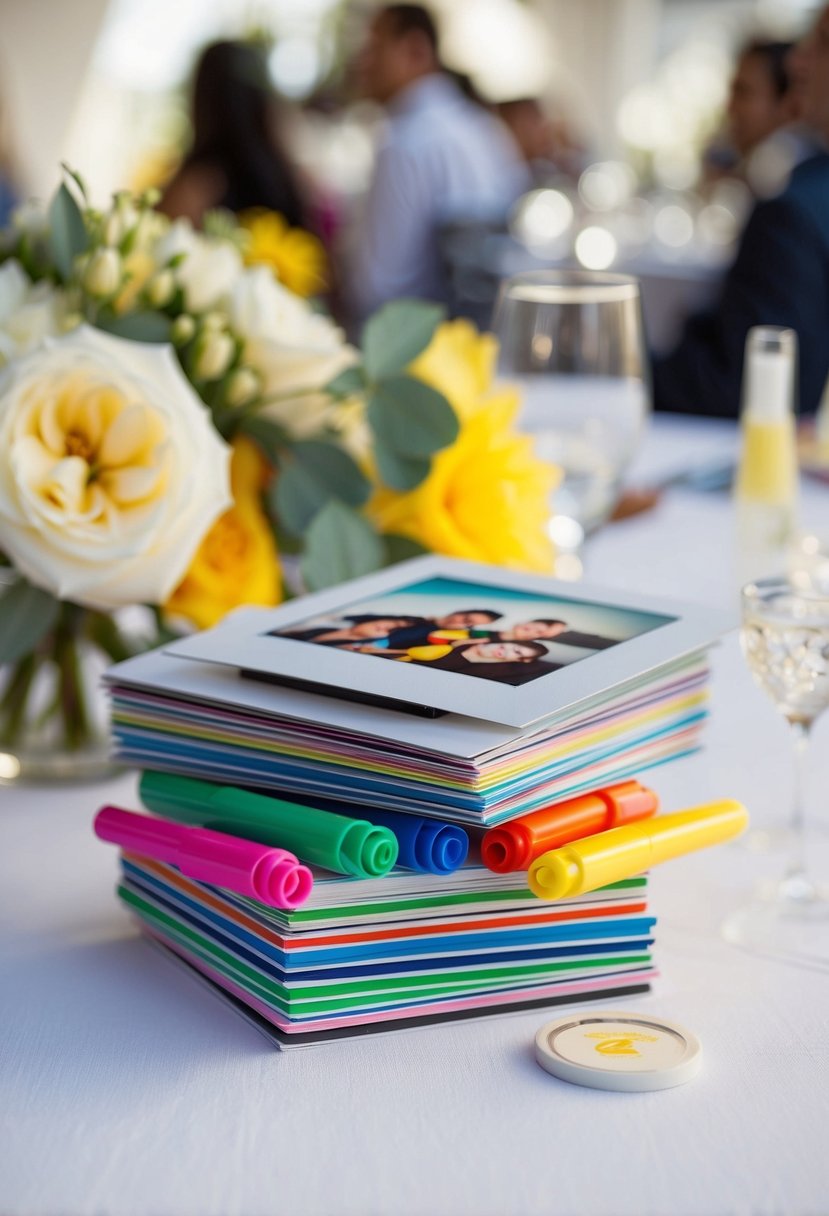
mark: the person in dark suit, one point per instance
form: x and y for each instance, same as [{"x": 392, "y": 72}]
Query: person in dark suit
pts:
[{"x": 780, "y": 275}]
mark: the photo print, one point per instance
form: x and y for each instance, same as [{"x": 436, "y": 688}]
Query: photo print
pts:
[{"x": 471, "y": 628}]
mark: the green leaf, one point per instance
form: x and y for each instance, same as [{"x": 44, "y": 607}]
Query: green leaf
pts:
[
  {"x": 67, "y": 232},
  {"x": 401, "y": 548},
  {"x": 316, "y": 473},
  {"x": 77, "y": 179},
  {"x": 296, "y": 498},
  {"x": 137, "y": 326},
  {"x": 26, "y": 615},
  {"x": 400, "y": 472},
  {"x": 335, "y": 470},
  {"x": 270, "y": 436},
  {"x": 341, "y": 545},
  {"x": 410, "y": 417},
  {"x": 349, "y": 382},
  {"x": 397, "y": 334}
]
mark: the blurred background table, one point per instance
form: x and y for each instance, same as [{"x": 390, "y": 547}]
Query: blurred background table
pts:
[{"x": 128, "y": 1088}]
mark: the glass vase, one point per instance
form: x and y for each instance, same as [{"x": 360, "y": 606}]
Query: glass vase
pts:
[{"x": 54, "y": 715}]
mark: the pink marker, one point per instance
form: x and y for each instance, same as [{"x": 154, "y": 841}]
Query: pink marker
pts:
[{"x": 273, "y": 876}]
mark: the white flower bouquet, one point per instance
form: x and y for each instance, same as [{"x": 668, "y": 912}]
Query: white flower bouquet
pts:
[{"x": 172, "y": 417}]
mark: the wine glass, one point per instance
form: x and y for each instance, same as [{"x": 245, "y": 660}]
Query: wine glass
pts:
[
  {"x": 785, "y": 640},
  {"x": 572, "y": 342}
]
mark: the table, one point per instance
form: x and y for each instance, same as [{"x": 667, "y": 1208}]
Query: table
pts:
[{"x": 129, "y": 1089}]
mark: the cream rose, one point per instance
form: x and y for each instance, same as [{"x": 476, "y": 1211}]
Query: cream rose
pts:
[
  {"x": 29, "y": 312},
  {"x": 110, "y": 469},
  {"x": 292, "y": 348},
  {"x": 208, "y": 269}
]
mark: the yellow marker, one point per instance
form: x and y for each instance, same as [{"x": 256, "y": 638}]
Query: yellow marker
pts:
[{"x": 620, "y": 853}]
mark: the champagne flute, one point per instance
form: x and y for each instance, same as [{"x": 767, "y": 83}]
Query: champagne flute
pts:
[
  {"x": 785, "y": 640},
  {"x": 572, "y": 342}
]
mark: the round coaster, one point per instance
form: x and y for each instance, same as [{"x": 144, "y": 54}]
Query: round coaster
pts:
[{"x": 622, "y": 1051}]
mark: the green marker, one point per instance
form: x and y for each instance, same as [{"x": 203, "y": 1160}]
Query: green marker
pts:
[{"x": 348, "y": 846}]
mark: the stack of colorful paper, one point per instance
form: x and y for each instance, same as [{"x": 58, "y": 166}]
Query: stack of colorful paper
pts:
[
  {"x": 368, "y": 955},
  {"x": 273, "y": 703},
  {"x": 202, "y": 720}
]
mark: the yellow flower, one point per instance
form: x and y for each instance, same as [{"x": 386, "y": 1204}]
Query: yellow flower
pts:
[
  {"x": 237, "y": 562},
  {"x": 460, "y": 363},
  {"x": 296, "y": 257},
  {"x": 487, "y": 497}
]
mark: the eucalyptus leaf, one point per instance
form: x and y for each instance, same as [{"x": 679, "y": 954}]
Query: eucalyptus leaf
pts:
[
  {"x": 77, "y": 179},
  {"x": 411, "y": 417},
  {"x": 337, "y": 472},
  {"x": 67, "y": 232},
  {"x": 270, "y": 436},
  {"x": 351, "y": 380},
  {"x": 401, "y": 548},
  {"x": 400, "y": 472},
  {"x": 396, "y": 334},
  {"x": 27, "y": 614},
  {"x": 340, "y": 545},
  {"x": 316, "y": 473},
  {"x": 296, "y": 497},
  {"x": 137, "y": 326}
]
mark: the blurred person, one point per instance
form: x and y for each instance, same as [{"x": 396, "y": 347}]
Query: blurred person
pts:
[
  {"x": 443, "y": 158},
  {"x": 780, "y": 275},
  {"x": 546, "y": 144},
  {"x": 236, "y": 160},
  {"x": 762, "y": 118}
]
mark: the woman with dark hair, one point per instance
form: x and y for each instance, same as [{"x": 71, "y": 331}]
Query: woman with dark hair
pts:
[
  {"x": 506, "y": 662},
  {"x": 235, "y": 160}
]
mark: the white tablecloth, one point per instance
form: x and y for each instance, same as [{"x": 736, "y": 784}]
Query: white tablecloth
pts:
[{"x": 128, "y": 1088}]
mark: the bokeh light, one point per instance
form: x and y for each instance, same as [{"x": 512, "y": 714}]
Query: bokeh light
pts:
[{"x": 596, "y": 248}]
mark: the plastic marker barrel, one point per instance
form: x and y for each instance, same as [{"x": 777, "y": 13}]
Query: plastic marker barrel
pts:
[
  {"x": 336, "y": 842},
  {"x": 273, "y": 876},
  {"x": 515, "y": 845},
  {"x": 622, "y": 852}
]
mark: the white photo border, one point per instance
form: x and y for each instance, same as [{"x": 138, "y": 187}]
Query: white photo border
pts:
[{"x": 246, "y": 643}]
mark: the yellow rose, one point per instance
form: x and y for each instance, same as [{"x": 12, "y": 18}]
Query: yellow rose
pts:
[
  {"x": 460, "y": 363},
  {"x": 237, "y": 562},
  {"x": 296, "y": 257},
  {"x": 487, "y": 497}
]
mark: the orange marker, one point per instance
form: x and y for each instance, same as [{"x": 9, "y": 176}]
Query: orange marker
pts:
[{"x": 515, "y": 845}]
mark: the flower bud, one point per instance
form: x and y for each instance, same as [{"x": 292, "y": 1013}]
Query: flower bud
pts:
[
  {"x": 214, "y": 354},
  {"x": 70, "y": 321},
  {"x": 242, "y": 386},
  {"x": 213, "y": 321},
  {"x": 183, "y": 329},
  {"x": 122, "y": 219},
  {"x": 160, "y": 288},
  {"x": 102, "y": 275}
]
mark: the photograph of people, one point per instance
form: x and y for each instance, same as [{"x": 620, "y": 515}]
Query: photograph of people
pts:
[
  {"x": 507, "y": 662},
  {"x": 350, "y": 632}
]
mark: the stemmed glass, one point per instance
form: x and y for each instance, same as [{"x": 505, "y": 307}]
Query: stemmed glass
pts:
[
  {"x": 572, "y": 341},
  {"x": 785, "y": 640}
]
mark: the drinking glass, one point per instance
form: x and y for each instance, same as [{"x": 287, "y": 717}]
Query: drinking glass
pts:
[
  {"x": 572, "y": 342},
  {"x": 785, "y": 640}
]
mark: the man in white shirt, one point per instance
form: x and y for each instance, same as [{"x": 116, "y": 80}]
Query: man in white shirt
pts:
[{"x": 443, "y": 159}]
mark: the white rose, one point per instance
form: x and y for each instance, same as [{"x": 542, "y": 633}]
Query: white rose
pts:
[
  {"x": 110, "y": 469},
  {"x": 293, "y": 348},
  {"x": 29, "y": 312},
  {"x": 208, "y": 269}
]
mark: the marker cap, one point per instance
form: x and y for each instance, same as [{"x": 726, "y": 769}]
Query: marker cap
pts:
[
  {"x": 618, "y": 1050},
  {"x": 629, "y": 801}
]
